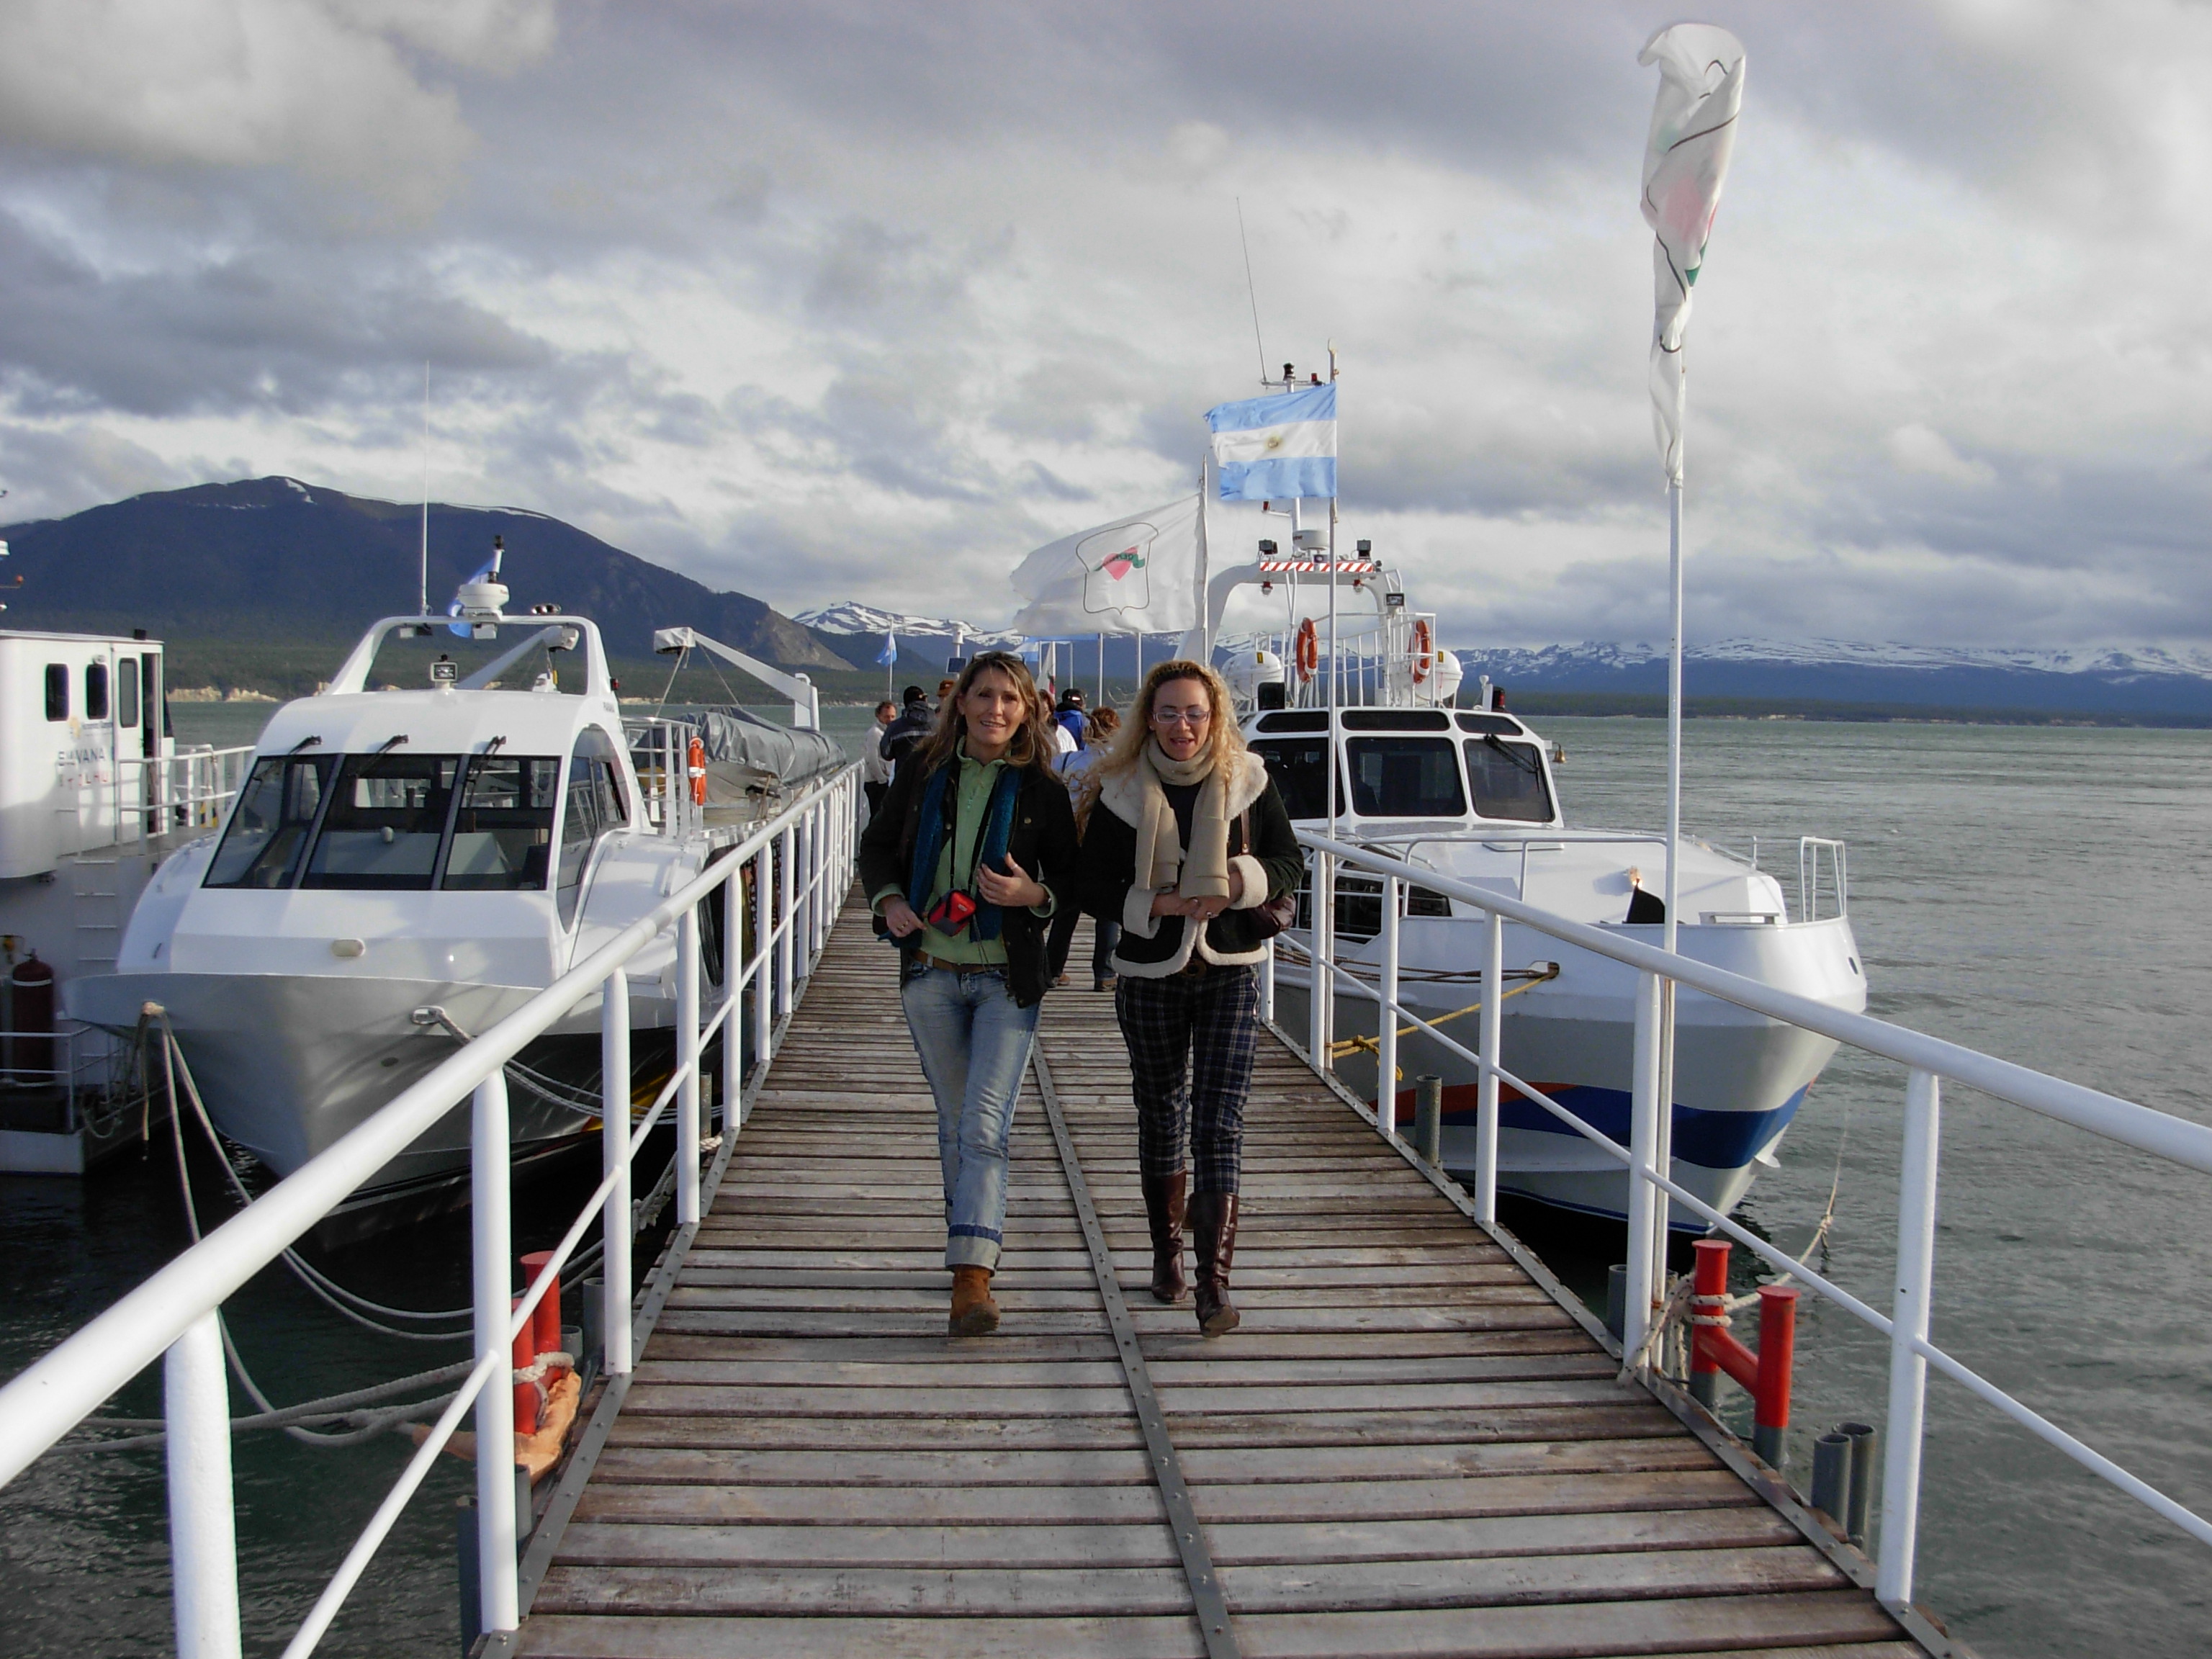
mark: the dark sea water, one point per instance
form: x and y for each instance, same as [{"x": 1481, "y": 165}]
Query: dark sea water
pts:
[{"x": 2040, "y": 893}]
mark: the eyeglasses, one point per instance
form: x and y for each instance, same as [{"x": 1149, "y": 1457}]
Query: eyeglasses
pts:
[{"x": 1183, "y": 716}]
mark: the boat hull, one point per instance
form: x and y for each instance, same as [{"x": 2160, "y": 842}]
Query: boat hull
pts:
[
  {"x": 288, "y": 1064},
  {"x": 1740, "y": 1078}
]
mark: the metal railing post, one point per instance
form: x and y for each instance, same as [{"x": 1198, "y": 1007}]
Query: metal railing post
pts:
[
  {"x": 615, "y": 1160},
  {"x": 498, "y": 1598},
  {"x": 1642, "y": 1138},
  {"x": 203, "y": 1526},
  {"x": 1909, "y": 1312},
  {"x": 687, "y": 1063},
  {"x": 734, "y": 1022},
  {"x": 1320, "y": 979},
  {"x": 1490, "y": 1046},
  {"x": 1386, "y": 1017},
  {"x": 1267, "y": 983},
  {"x": 763, "y": 971},
  {"x": 1662, "y": 1141},
  {"x": 784, "y": 848}
]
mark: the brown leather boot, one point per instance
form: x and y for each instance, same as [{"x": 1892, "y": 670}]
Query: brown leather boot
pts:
[
  {"x": 1213, "y": 1241},
  {"x": 1164, "y": 1208},
  {"x": 973, "y": 1313}
]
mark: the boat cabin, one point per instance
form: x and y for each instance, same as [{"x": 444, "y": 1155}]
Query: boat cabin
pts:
[
  {"x": 1431, "y": 768},
  {"x": 81, "y": 718}
]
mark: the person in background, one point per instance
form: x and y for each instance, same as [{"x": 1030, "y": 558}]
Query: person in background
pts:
[
  {"x": 1102, "y": 726},
  {"x": 1069, "y": 715},
  {"x": 943, "y": 690},
  {"x": 1184, "y": 836},
  {"x": 875, "y": 770},
  {"x": 910, "y": 728},
  {"x": 973, "y": 853}
]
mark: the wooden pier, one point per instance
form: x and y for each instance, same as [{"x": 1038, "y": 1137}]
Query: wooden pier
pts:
[{"x": 1410, "y": 1448}]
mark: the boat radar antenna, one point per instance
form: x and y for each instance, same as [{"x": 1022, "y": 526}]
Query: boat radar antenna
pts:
[{"x": 1252, "y": 292}]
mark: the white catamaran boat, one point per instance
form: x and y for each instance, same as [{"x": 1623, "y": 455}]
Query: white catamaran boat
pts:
[
  {"x": 1471, "y": 794},
  {"x": 403, "y": 867}
]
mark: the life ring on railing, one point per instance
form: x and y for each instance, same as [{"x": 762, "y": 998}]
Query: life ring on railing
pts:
[
  {"x": 698, "y": 765},
  {"x": 1424, "y": 649},
  {"x": 1308, "y": 651}
]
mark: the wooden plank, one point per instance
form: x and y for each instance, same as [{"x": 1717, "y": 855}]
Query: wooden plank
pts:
[
  {"x": 1690, "y": 1624},
  {"x": 759, "y": 1547},
  {"x": 569, "y": 1637}
]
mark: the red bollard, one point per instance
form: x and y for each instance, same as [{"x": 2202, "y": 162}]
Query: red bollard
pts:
[
  {"x": 1777, "y": 1350},
  {"x": 525, "y": 1394},
  {"x": 1708, "y": 1300},
  {"x": 545, "y": 1318}
]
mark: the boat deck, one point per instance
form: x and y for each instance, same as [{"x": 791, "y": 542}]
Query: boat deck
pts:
[{"x": 1410, "y": 1448}]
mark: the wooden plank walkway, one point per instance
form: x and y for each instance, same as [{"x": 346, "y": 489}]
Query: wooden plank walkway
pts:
[{"x": 1408, "y": 1449}]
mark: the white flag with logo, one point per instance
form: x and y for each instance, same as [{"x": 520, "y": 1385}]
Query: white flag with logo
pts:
[
  {"x": 1140, "y": 572},
  {"x": 1685, "y": 164}
]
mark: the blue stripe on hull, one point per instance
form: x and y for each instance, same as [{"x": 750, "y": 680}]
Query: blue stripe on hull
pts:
[{"x": 1717, "y": 1140}]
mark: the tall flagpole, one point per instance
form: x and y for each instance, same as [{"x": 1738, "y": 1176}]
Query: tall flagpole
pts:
[{"x": 1685, "y": 162}]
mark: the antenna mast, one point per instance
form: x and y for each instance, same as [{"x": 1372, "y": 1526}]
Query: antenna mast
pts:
[
  {"x": 1252, "y": 292},
  {"x": 422, "y": 586}
]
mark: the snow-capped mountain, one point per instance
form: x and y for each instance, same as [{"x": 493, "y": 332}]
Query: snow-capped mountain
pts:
[
  {"x": 2125, "y": 661},
  {"x": 2134, "y": 680},
  {"x": 850, "y": 616}
]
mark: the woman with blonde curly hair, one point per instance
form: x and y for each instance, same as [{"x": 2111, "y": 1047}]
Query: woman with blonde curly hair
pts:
[
  {"x": 1184, "y": 838},
  {"x": 973, "y": 852}
]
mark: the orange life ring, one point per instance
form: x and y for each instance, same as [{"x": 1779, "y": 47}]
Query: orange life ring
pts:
[
  {"x": 1308, "y": 652},
  {"x": 698, "y": 767},
  {"x": 1424, "y": 643}
]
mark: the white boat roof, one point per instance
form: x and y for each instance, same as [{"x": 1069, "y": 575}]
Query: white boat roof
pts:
[{"x": 441, "y": 721}]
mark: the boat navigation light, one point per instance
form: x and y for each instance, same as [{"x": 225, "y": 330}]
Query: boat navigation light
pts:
[{"x": 1366, "y": 548}]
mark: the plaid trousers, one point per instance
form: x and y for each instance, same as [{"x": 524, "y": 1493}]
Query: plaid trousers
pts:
[{"x": 1191, "y": 1039}]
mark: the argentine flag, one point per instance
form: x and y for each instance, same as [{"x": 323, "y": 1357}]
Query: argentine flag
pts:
[
  {"x": 889, "y": 654},
  {"x": 1275, "y": 449}
]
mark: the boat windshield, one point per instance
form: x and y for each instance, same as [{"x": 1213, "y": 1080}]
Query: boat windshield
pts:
[
  {"x": 1405, "y": 778},
  {"x": 268, "y": 832},
  {"x": 385, "y": 823},
  {"x": 503, "y": 828},
  {"x": 1509, "y": 780},
  {"x": 1296, "y": 766}
]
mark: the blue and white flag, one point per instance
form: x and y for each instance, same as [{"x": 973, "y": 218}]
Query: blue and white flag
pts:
[
  {"x": 889, "y": 654},
  {"x": 1275, "y": 448}
]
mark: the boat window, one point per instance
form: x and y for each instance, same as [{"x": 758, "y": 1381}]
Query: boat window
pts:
[
  {"x": 95, "y": 691},
  {"x": 1295, "y": 767},
  {"x": 1313, "y": 720},
  {"x": 1405, "y": 778},
  {"x": 387, "y": 818},
  {"x": 57, "y": 691},
  {"x": 126, "y": 691},
  {"x": 503, "y": 828},
  {"x": 276, "y": 812},
  {"x": 594, "y": 805},
  {"x": 1396, "y": 720},
  {"x": 1509, "y": 780}
]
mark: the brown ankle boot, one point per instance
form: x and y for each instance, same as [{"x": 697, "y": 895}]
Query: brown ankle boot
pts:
[
  {"x": 1163, "y": 1209},
  {"x": 973, "y": 1313},
  {"x": 1213, "y": 1241}
]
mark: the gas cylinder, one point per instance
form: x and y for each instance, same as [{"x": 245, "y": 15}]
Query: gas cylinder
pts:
[{"x": 30, "y": 988}]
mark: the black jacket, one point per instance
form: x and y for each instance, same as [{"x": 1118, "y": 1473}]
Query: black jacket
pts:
[
  {"x": 902, "y": 736},
  {"x": 1042, "y": 842},
  {"x": 1106, "y": 871}
]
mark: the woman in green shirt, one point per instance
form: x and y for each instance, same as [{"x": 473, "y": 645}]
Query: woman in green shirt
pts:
[{"x": 973, "y": 850}]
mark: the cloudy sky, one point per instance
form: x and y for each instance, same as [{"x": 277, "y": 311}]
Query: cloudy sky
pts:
[{"x": 863, "y": 301}]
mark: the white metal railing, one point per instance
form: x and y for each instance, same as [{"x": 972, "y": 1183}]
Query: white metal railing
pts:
[
  {"x": 190, "y": 790},
  {"x": 800, "y": 862},
  {"x": 1809, "y": 849},
  {"x": 1929, "y": 1061}
]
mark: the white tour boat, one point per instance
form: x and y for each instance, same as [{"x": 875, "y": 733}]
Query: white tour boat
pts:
[
  {"x": 405, "y": 867},
  {"x": 1471, "y": 794}
]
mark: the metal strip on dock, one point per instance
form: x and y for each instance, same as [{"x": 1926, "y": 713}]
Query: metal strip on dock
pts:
[{"x": 1167, "y": 1467}]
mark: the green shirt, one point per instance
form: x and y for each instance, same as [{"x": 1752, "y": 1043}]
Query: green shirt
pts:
[{"x": 956, "y": 869}]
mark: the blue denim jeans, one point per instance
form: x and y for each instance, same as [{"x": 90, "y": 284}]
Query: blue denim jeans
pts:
[{"x": 973, "y": 1044}]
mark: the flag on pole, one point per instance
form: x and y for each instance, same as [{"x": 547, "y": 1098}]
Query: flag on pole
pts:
[
  {"x": 1137, "y": 572},
  {"x": 1685, "y": 164},
  {"x": 889, "y": 654},
  {"x": 1276, "y": 449}
]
